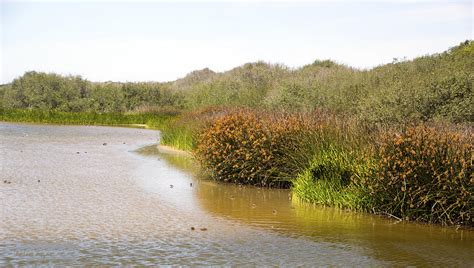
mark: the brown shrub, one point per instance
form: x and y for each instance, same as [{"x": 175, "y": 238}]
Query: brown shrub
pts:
[
  {"x": 248, "y": 147},
  {"x": 425, "y": 173}
]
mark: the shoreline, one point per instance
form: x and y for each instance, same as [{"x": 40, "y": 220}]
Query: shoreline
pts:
[
  {"x": 167, "y": 149},
  {"x": 172, "y": 150},
  {"x": 143, "y": 126}
]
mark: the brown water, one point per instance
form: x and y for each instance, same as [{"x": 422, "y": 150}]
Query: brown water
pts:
[{"x": 112, "y": 204}]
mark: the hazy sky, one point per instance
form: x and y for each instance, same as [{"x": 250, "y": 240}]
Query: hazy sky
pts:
[{"x": 161, "y": 41}]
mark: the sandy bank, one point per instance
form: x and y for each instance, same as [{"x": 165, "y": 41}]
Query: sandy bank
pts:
[{"x": 171, "y": 150}]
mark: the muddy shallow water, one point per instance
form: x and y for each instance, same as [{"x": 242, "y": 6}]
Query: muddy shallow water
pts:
[{"x": 74, "y": 201}]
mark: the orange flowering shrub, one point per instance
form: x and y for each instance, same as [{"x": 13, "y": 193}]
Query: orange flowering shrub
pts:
[
  {"x": 255, "y": 148},
  {"x": 426, "y": 174}
]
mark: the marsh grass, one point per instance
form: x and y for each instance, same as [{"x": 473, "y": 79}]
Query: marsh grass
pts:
[
  {"x": 425, "y": 173},
  {"x": 80, "y": 118},
  {"x": 419, "y": 172},
  {"x": 174, "y": 131},
  {"x": 337, "y": 178},
  {"x": 178, "y": 136},
  {"x": 181, "y": 132}
]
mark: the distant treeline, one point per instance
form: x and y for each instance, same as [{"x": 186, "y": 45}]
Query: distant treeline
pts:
[
  {"x": 435, "y": 87},
  {"x": 44, "y": 91}
]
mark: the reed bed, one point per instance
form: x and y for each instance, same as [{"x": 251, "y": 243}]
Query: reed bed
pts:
[
  {"x": 79, "y": 118},
  {"x": 421, "y": 173}
]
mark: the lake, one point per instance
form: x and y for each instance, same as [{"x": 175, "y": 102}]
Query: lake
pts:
[{"x": 88, "y": 195}]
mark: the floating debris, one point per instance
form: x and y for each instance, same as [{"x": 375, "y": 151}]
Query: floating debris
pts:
[
  {"x": 203, "y": 229},
  {"x": 192, "y": 228},
  {"x": 171, "y": 185},
  {"x": 105, "y": 143}
]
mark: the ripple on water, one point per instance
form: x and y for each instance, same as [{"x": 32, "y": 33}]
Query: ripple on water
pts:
[{"x": 116, "y": 207}]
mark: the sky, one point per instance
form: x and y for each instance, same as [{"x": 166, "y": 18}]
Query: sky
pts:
[{"x": 163, "y": 41}]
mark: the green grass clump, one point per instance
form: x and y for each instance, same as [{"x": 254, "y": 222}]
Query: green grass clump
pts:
[
  {"x": 181, "y": 132},
  {"x": 337, "y": 178},
  {"x": 178, "y": 135},
  {"x": 154, "y": 120}
]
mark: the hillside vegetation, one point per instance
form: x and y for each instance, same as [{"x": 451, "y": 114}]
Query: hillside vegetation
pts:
[{"x": 433, "y": 87}]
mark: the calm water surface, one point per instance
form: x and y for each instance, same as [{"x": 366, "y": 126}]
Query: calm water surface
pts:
[{"x": 74, "y": 201}]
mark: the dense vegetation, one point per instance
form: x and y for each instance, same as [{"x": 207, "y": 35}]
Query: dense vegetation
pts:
[
  {"x": 426, "y": 173},
  {"x": 154, "y": 119},
  {"x": 431, "y": 87},
  {"x": 255, "y": 148},
  {"x": 52, "y": 92},
  {"x": 415, "y": 172},
  {"x": 396, "y": 139}
]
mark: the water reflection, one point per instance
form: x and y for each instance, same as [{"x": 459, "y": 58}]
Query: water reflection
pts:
[
  {"x": 82, "y": 196},
  {"x": 384, "y": 239}
]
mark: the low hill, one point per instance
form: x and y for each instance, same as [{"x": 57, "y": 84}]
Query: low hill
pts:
[{"x": 430, "y": 87}]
